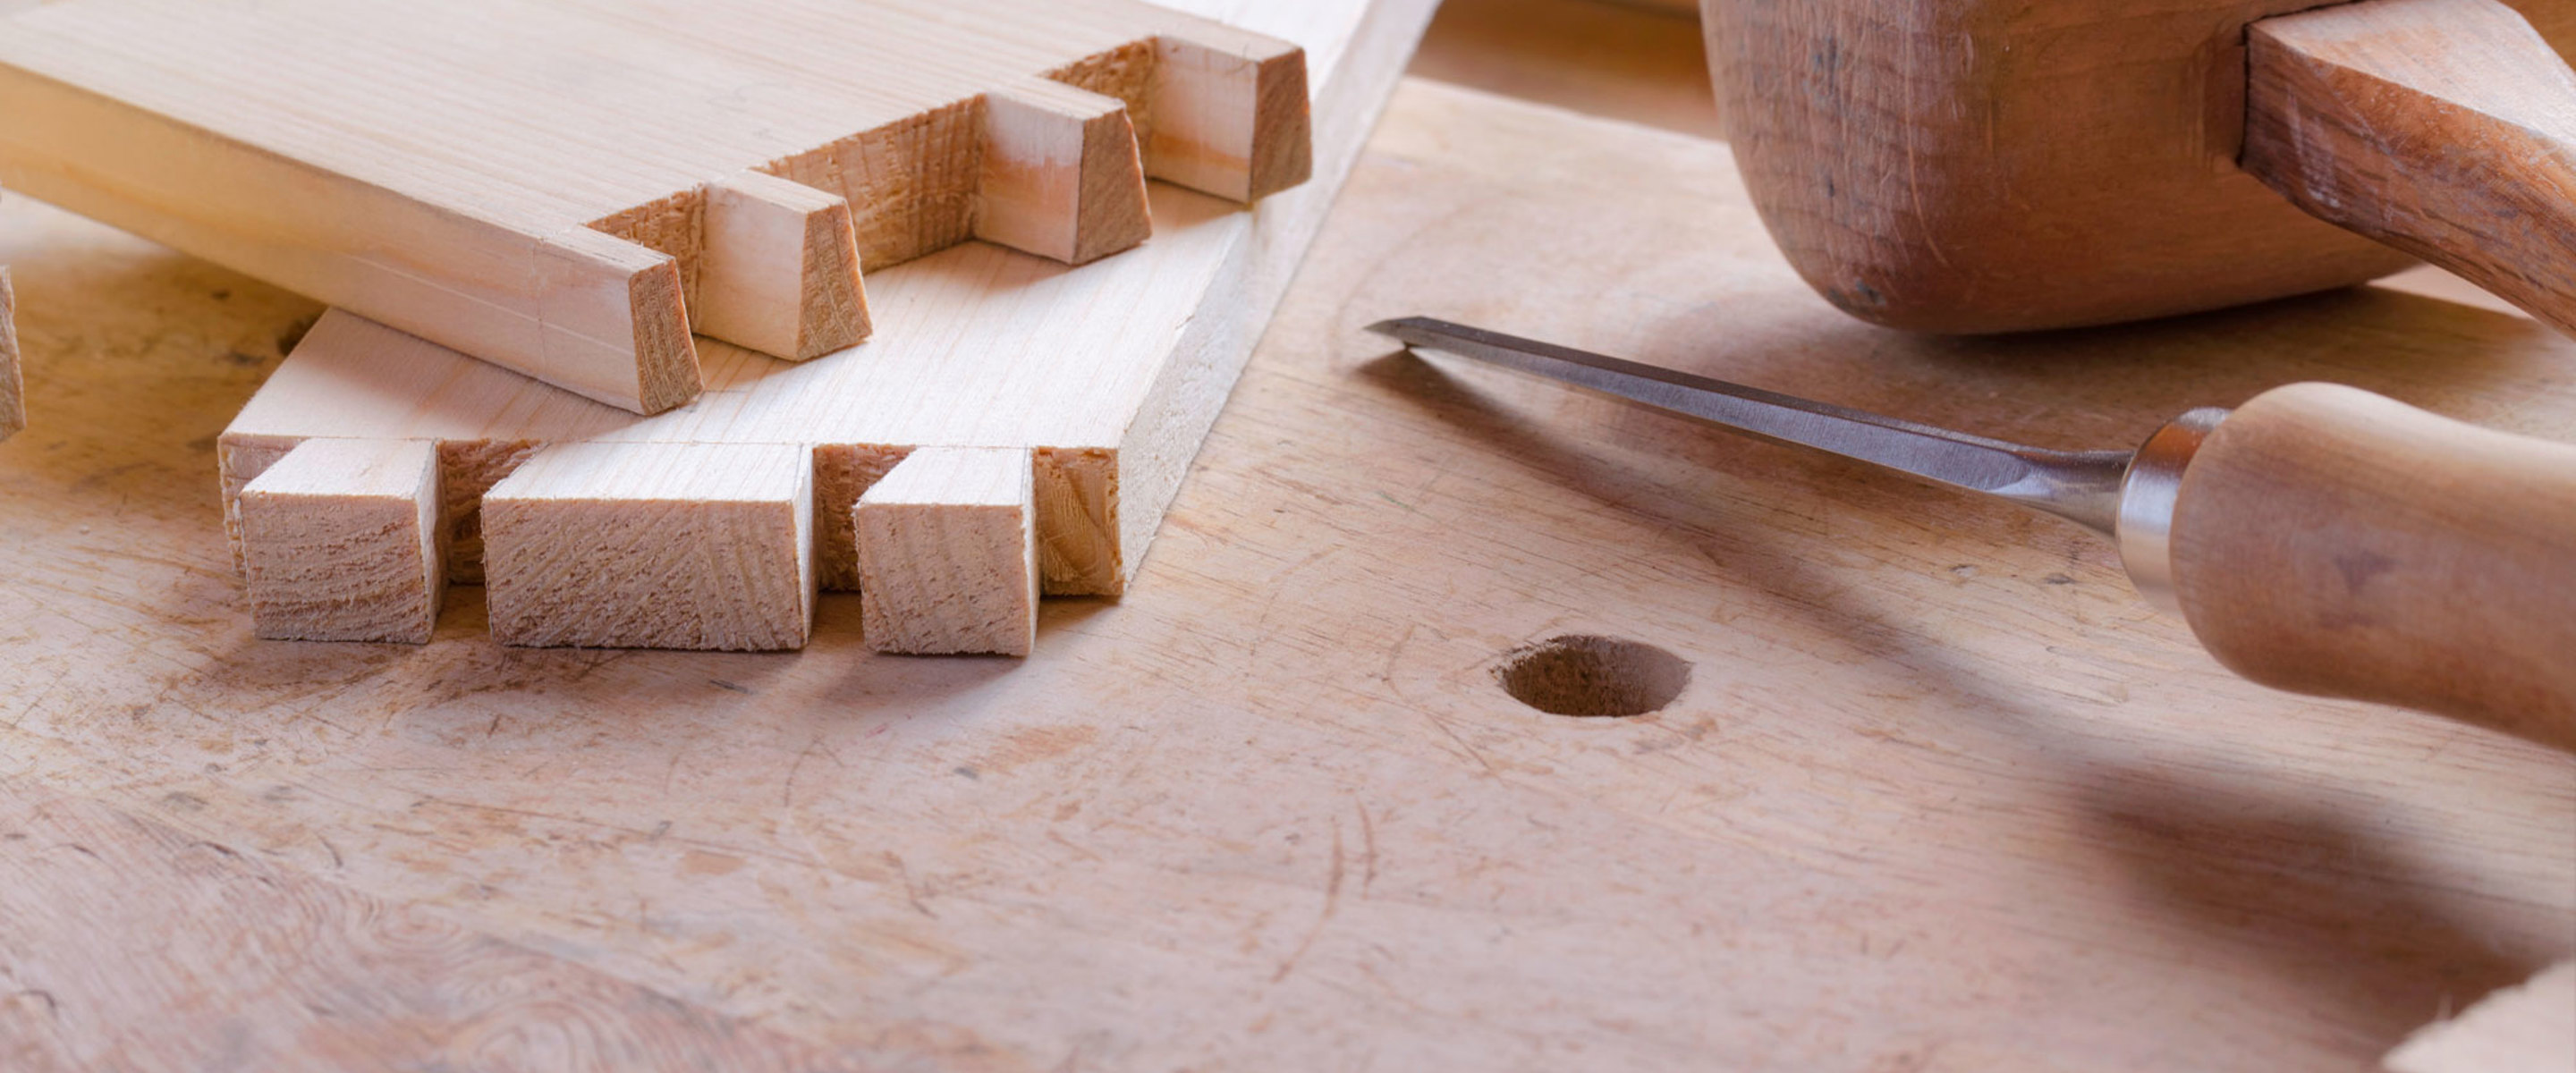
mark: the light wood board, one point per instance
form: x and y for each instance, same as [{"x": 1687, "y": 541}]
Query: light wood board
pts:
[
  {"x": 1109, "y": 373},
  {"x": 1939, "y": 795},
  {"x": 567, "y": 187}
]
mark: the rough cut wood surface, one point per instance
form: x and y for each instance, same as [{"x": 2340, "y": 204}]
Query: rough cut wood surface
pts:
[
  {"x": 1997, "y": 165},
  {"x": 261, "y": 966},
  {"x": 1110, "y": 373},
  {"x": 948, "y": 554},
  {"x": 658, "y": 545},
  {"x": 1939, "y": 794},
  {"x": 341, "y": 542},
  {"x": 566, "y": 187}
]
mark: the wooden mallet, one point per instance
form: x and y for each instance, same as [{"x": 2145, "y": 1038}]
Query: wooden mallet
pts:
[{"x": 2003, "y": 165}]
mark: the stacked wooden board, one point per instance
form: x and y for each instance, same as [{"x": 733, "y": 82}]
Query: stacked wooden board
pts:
[
  {"x": 1030, "y": 421},
  {"x": 569, "y": 187}
]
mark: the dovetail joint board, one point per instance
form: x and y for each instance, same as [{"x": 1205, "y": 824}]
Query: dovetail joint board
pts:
[
  {"x": 1105, "y": 377},
  {"x": 568, "y": 188}
]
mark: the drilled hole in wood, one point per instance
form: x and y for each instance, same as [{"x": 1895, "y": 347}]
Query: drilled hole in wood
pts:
[{"x": 1591, "y": 675}]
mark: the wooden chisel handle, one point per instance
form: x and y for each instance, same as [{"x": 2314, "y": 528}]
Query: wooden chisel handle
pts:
[
  {"x": 2331, "y": 541},
  {"x": 2445, "y": 128}
]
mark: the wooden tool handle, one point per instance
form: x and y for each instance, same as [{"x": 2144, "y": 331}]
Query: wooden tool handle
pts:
[
  {"x": 2327, "y": 540},
  {"x": 2445, "y": 128}
]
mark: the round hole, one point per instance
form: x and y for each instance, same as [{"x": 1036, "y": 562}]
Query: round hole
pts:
[{"x": 1589, "y": 675}]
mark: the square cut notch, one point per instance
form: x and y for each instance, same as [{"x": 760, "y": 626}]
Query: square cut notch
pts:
[
  {"x": 627, "y": 545},
  {"x": 948, "y": 554},
  {"x": 340, "y": 542}
]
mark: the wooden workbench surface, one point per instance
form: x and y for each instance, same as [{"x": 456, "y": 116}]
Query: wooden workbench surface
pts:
[{"x": 1940, "y": 793}]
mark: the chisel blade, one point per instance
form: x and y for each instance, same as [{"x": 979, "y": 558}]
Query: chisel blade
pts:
[{"x": 2080, "y": 485}]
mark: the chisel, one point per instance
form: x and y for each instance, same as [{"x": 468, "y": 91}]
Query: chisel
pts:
[{"x": 2319, "y": 538}]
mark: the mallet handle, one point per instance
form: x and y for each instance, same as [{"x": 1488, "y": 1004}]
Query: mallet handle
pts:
[
  {"x": 2331, "y": 541},
  {"x": 2445, "y": 128}
]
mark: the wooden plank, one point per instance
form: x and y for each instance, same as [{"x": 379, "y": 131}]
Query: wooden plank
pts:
[
  {"x": 1111, "y": 374},
  {"x": 134, "y": 946},
  {"x": 1939, "y": 794},
  {"x": 704, "y": 546},
  {"x": 2525, "y": 1029},
  {"x": 948, "y": 556},
  {"x": 531, "y": 181},
  {"x": 340, "y": 542}
]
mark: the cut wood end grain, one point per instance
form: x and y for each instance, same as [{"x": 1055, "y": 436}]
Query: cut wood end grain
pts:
[
  {"x": 616, "y": 545},
  {"x": 13, "y": 389},
  {"x": 611, "y": 323},
  {"x": 780, "y": 269},
  {"x": 1061, "y": 175},
  {"x": 341, "y": 542},
  {"x": 948, "y": 555},
  {"x": 1231, "y": 115}
]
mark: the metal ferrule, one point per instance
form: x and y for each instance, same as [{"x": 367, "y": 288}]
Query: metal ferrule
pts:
[{"x": 2148, "y": 490}]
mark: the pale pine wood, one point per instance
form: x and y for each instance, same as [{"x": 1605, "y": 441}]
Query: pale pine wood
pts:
[
  {"x": 1996, "y": 165},
  {"x": 2333, "y": 541},
  {"x": 1109, "y": 374},
  {"x": 2525, "y": 1029},
  {"x": 2445, "y": 128},
  {"x": 340, "y": 542},
  {"x": 311, "y": 975},
  {"x": 1062, "y": 175},
  {"x": 780, "y": 269},
  {"x": 1941, "y": 794},
  {"x": 13, "y": 382},
  {"x": 1238, "y": 122},
  {"x": 529, "y": 181},
  {"x": 947, "y": 545},
  {"x": 698, "y": 546}
]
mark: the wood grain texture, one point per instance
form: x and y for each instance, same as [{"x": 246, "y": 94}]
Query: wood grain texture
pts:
[
  {"x": 1062, "y": 174},
  {"x": 1993, "y": 165},
  {"x": 134, "y": 946},
  {"x": 1110, "y": 374},
  {"x": 702, "y": 546},
  {"x": 529, "y": 181},
  {"x": 341, "y": 542},
  {"x": 13, "y": 381},
  {"x": 2525, "y": 1029},
  {"x": 2444, "y": 128},
  {"x": 1941, "y": 794},
  {"x": 2331, "y": 541},
  {"x": 948, "y": 557},
  {"x": 779, "y": 268}
]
